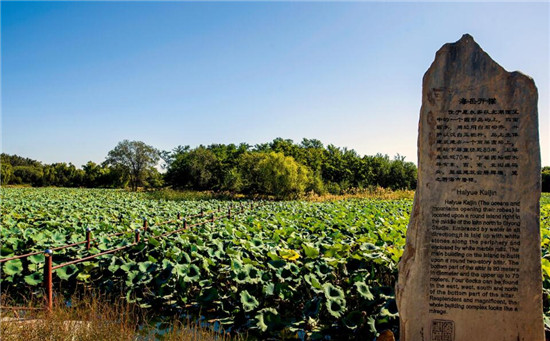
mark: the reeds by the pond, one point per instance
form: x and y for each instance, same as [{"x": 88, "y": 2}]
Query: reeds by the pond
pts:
[{"x": 93, "y": 318}]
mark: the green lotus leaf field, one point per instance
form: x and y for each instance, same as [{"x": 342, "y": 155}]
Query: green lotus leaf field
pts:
[{"x": 287, "y": 269}]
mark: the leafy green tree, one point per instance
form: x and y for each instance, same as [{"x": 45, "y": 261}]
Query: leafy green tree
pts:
[
  {"x": 282, "y": 176},
  {"x": 15, "y": 160},
  {"x": 19, "y": 170},
  {"x": 193, "y": 169},
  {"x": 312, "y": 155},
  {"x": 232, "y": 181},
  {"x": 249, "y": 171},
  {"x": 136, "y": 159},
  {"x": 92, "y": 174},
  {"x": 62, "y": 175},
  {"x": 113, "y": 177},
  {"x": 6, "y": 173},
  {"x": 153, "y": 179},
  {"x": 381, "y": 171},
  {"x": 235, "y": 168},
  {"x": 28, "y": 175},
  {"x": 101, "y": 175},
  {"x": 335, "y": 171},
  {"x": 224, "y": 171}
]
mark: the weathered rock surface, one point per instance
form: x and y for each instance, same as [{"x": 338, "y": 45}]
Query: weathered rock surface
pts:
[{"x": 471, "y": 268}]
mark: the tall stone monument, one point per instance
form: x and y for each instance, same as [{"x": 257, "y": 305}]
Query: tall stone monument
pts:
[{"x": 471, "y": 269}]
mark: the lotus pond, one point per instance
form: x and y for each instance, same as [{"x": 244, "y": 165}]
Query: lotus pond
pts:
[{"x": 280, "y": 270}]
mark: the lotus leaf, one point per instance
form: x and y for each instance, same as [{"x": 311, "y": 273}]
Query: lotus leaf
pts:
[
  {"x": 241, "y": 277},
  {"x": 322, "y": 270},
  {"x": 390, "y": 309},
  {"x": 268, "y": 318},
  {"x": 36, "y": 259},
  {"x": 269, "y": 289},
  {"x": 294, "y": 269},
  {"x": 34, "y": 278},
  {"x": 312, "y": 307},
  {"x": 289, "y": 254},
  {"x": 13, "y": 267},
  {"x": 333, "y": 292},
  {"x": 355, "y": 319},
  {"x": 371, "y": 322},
  {"x": 66, "y": 272},
  {"x": 310, "y": 250},
  {"x": 179, "y": 270},
  {"x": 166, "y": 264},
  {"x": 185, "y": 257},
  {"x": 546, "y": 266},
  {"x": 305, "y": 261},
  {"x": 129, "y": 266},
  {"x": 249, "y": 274},
  {"x": 208, "y": 294},
  {"x": 6, "y": 251},
  {"x": 336, "y": 306},
  {"x": 312, "y": 280},
  {"x": 276, "y": 264},
  {"x": 273, "y": 256},
  {"x": 13, "y": 243},
  {"x": 83, "y": 277},
  {"x": 248, "y": 301},
  {"x": 285, "y": 274},
  {"x": 236, "y": 264},
  {"x": 146, "y": 266},
  {"x": 364, "y": 290},
  {"x": 58, "y": 238},
  {"x": 192, "y": 274}
]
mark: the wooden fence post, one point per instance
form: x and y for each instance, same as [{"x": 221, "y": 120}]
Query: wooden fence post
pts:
[
  {"x": 48, "y": 254},
  {"x": 88, "y": 239}
]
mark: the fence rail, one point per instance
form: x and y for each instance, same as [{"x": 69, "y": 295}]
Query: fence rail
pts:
[
  {"x": 48, "y": 253},
  {"x": 116, "y": 234}
]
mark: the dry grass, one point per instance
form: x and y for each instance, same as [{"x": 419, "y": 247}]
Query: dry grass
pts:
[
  {"x": 377, "y": 193},
  {"x": 367, "y": 193},
  {"x": 89, "y": 319},
  {"x": 186, "y": 195},
  {"x": 186, "y": 331},
  {"x": 93, "y": 318}
]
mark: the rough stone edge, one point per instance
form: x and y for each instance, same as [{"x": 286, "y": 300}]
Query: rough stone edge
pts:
[{"x": 407, "y": 261}]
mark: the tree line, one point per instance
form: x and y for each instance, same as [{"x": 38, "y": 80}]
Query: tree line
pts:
[
  {"x": 117, "y": 171},
  {"x": 284, "y": 168},
  {"x": 281, "y": 168}
]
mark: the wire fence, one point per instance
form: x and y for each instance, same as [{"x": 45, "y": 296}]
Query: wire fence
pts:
[{"x": 48, "y": 253}]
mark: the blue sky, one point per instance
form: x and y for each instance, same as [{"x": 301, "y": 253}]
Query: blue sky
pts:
[{"x": 78, "y": 77}]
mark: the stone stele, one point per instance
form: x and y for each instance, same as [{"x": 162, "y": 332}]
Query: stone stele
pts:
[{"x": 471, "y": 269}]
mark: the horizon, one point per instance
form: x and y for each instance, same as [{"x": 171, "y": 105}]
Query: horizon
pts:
[{"x": 77, "y": 78}]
